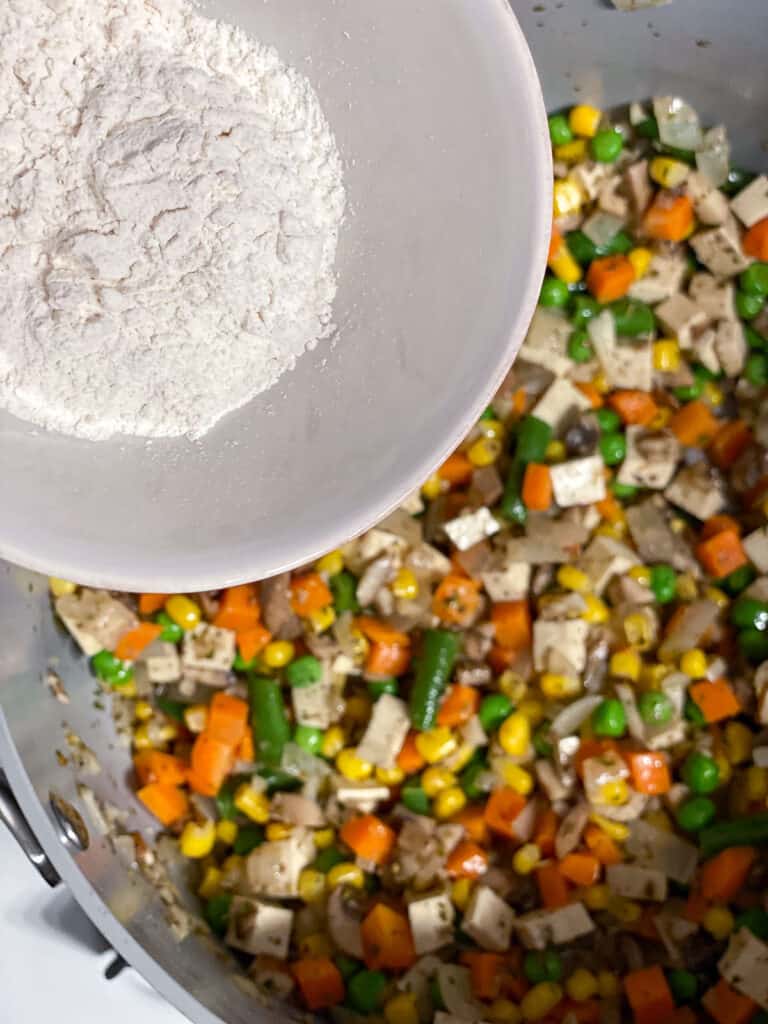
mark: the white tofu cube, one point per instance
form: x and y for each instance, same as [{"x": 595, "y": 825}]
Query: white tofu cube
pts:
[
  {"x": 604, "y": 559},
  {"x": 731, "y": 347},
  {"x": 273, "y": 868},
  {"x": 715, "y": 298},
  {"x": 591, "y": 176},
  {"x": 163, "y": 663},
  {"x": 259, "y": 928},
  {"x": 542, "y": 928},
  {"x": 682, "y": 318},
  {"x": 666, "y": 852},
  {"x": 488, "y": 920},
  {"x": 385, "y": 733},
  {"x": 622, "y": 360},
  {"x": 508, "y": 584},
  {"x": 756, "y": 547},
  {"x": 560, "y": 644},
  {"x": 651, "y": 458},
  {"x": 745, "y": 966},
  {"x": 578, "y": 481},
  {"x": 698, "y": 491},
  {"x": 636, "y": 883},
  {"x": 751, "y": 204},
  {"x": 208, "y": 648},
  {"x": 467, "y": 530},
  {"x": 431, "y": 919},
  {"x": 319, "y": 704},
  {"x": 546, "y": 343},
  {"x": 709, "y": 203},
  {"x": 94, "y": 619},
  {"x": 663, "y": 279},
  {"x": 559, "y": 403},
  {"x": 719, "y": 249}
]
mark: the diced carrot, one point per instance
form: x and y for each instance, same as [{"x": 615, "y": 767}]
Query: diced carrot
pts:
[
  {"x": 320, "y": 982},
  {"x": 716, "y": 700},
  {"x": 156, "y": 766},
  {"x": 369, "y": 838},
  {"x": 501, "y": 658},
  {"x": 755, "y": 241},
  {"x": 716, "y": 524},
  {"x": 588, "y": 389},
  {"x": 537, "y": 487},
  {"x": 227, "y": 719},
  {"x": 380, "y": 631},
  {"x": 545, "y": 830},
  {"x": 457, "y": 470},
  {"x": 245, "y": 751},
  {"x": 683, "y": 1015},
  {"x": 604, "y": 849},
  {"x": 592, "y": 748},
  {"x": 458, "y": 706},
  {"x": 650, "y": 772},
  {"x": 387, "y": 939},
  {"x": 555, "y": 241},
  {"x": 239, "y": 608},
  {"x": 467, "y": 860},
  {"x": 485, "y": 971},
  {"x": 151, "y": 603},
  {"x": 131, "y": 644},
  {"x": 309, "y": 593},
  {"x": 693, "y": 424},
  {"x": 519, "y": 402},
  {"x": 387, "y": 659},
  {"x": 409, "y": 760},
  {"x": 695, "y": 906},
  {"x": 472, "y": 818},
  {"x": 252, "y": 641},
  {"x": 634, "y": 407},
  {"x": 645, "y": 925},
  {"x": 168, "y": 803},
  {"x": 211, "y": 762},
  {"x": 724, "y": 875},
  {"x": 503, "y": 806},
  {"x": 669, "y": 218},
  {"x": 512, "y": 624},
  {"x": 649, "y": 996},
  {"x": 610, "y": 509},
  {"x": 729, "y": 442},
  {"x": 727, "y": 1006},
  {"x": 610, "y": 277},
  {"x": 580, "y": 868},
  {"x": 553, "y": 888},
  {"x": 722, "y": 554},
  {"x": 457, "y": 600}
]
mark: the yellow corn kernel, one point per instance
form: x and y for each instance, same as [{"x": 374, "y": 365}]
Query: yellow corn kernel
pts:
[
  {"x": 210, "y": 884},
  {"x": 608, "y": 984},
  {"x": 504, "y": 1011},
  {"x": 311, "y": 885},
  {"x": 626, "y": 664},
  {"x": 571, "y": 578},
  {"x": 197, "y": 840},
  {"x": 143, "y": 711},
  {"x": 324, "y": 837},
  {"x": 641, "y": 574},
  {"x": 565, "y": 267},
  {"x": 738, "y": 742},
  {"x": 687, "y": 587},
  {"x": 660, "y": 820},
  {"x": 346, "y": 873},
  {"x": 432, "y": 488},
  {"x": 322, "y": 619},
  {"x": 484, "y": 452},
  {"x": 401, "y": 1009},
  {"x": 183, "y": 611},
  {"x": 600, "y": 383},
  {"x": 277, "y": 830},
  {"x": 462, "y": 757},
  {"x": 539, "y": 1000},
  {"x": 59, "y": 587},
  {"x": 615, "y": 829},
  {"x": 719, "y": 922},
  {"x": 333, "y": 741},
  {"x": 571, "y": 152},
  {"x": 639, "y": 631},
  {"x": 278, "y": 654},
  {"x": 493, "y": 429},
  {"x": 526, "y": 859},
  {"x": 353, "y": 767},
  {"x": 584, "y": 120},
  {"x": 142, "y": 740},
  {"x": 712, "y": 394},
  {"x": 360, "y": 646},
  {"x": 567, "y": 197},
  {"x": 128, "y": 690},
  {"x": 724, "y": 768},
  {"x": 624, "y": 910},
  {"x": 640, "y": 258},
  {"x": 317, "y": 944},
  {"x": 667, "y": 172},
  {"x": 231, "y": 870},
  {"x": 461, "y": 892},
  {"x": 358, "y": 708},
  {"x": 434, "y": 780},
  {"x": 715, "y": 594},
  {"x": 555, "y": 452},
  {"x": 449, "y": 802},
  {"x": 596, "y": 897},
  {"x": 694, "y": 663},
  {"x": 226, "y": 832},
  {"x": 581, "y": 985},
  {"x": 532, "y": 709},
  {"x": 513, "y": 686},
  {"x": 330, "y": 564},
  {"x": 390, "y": 776},
  {"x": 615, "y": 792},
  {"x": 515, "y": 734},
  {"x": 166, "y": 731},
  {"x": 666, "y": 355},
  {"x": 559, "y": 687},
  {"x": 517, "y": 778},
  {"x": 436, "y": 744},
  {"x": 617, "y": 530},
  {"x": 196, "y": 717},
  {"x": 405, "y": 586},
  {"x": 661, "y": 418},
  {"x": 252, "y": 803},
  {"x": 596, "y": 611},
  {"x": 756, "y": 783}
]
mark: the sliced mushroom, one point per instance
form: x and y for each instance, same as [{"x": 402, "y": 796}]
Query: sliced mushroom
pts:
[
  {"x": 345, "y": 914},
  {"x": 570, "y": 830}
]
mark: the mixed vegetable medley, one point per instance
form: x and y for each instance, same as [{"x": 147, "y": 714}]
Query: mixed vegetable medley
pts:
[{"x": 505, "y": 757}]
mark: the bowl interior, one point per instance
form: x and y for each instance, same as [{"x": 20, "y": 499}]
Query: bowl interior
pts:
[{"x": 440, "y": 121}]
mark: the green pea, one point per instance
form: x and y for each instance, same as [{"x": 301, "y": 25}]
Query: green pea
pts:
[
  {"x": 613, "y": 448},
  {"x": 328, "y": 858},
  {"x": 579, "y": 347},
  {"x": 559, "y": 130},
  {"x": 468, "y": 778},
  {"x": 748, "y": 306},
  {"x": 309, "y": 738},
  {"x": 493, "y": 710},
  {"x": 304, "y": 671},
  {"x": 607, "y": 146},
  {"x": 623, "y": 491},
  {"x": 241, "y": 665},
  {"x": 608, "y": 420},
  {"x": 488, "y": 413},
  {"x": 554, "y": 293},
  {"x": 172, "y": 632},
  {"x": 753, "y": 644},
  {"x": 695, "y": 813},
  {"x": 543, "y": 966},
  {"x": 683, "y": 985},
  {"x": 247, "y": 839},
  {"x": 655, "y": 707},
  {"x": 344, "y": 589},
  {"x": 581, "y": 247},
  {"x": 378, "y": 687},
  {"x": 754, "y": 280},
  {"x": 414, "y": 798},
  {"x": 756, "y": 369},
  {"x": 647, "y": 129},
  {"x": 755, "y": 340},
  {"x": 700, "y": 773},
  {"x": 216, "y": 913},
  {"x": 584, "y": 309},
  {"x": 365, "y": 990},
  {"x": 737, "y": 580},
  {"x": 542, "y": 744},
  {"x": 632, "y": 318},
  {"x": 756, "y": 920},
  {"x": 620, "y": 244},
  {"x": 663, "y": 583},
  {"x": 111, "y": 669},
  {"x": 347, "y": 965},
  {"x": 689, "y": 392},
  {"x": 172, "y": 708},
  {"x": 748, "y": 613},
  {"x": 609, "y": 718},
  {"x": 737, "y": 180}
]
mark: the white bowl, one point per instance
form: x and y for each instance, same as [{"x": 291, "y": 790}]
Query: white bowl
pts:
[{"x": 439, "y": 117}]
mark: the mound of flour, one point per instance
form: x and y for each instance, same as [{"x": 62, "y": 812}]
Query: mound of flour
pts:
[{"x": 170, "y": 200}]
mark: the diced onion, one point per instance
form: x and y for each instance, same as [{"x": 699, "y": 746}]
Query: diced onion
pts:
[
  {"x": 569, "y": 720},
  {"x": 601, "y": 228},
  {"x": 678, "y": 123},
  {"x": 714, "y": 158}
]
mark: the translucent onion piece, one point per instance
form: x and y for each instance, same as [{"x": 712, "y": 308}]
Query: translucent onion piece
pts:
[
  {"x": 714, "y": 158},
  {"x": 678, "y": 123}
]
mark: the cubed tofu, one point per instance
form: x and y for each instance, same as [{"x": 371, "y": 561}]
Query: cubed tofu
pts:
[
  {"x": 638, "y": 186},
  {"x": 703, "y": 349},
  {"x": 508, "y": 584},
  {"x": 488, "y": 920},
  {"x": 731, "y": 347},
  {"x": 709, "y": 203},
  {"x": 546, "y": 343},
  {"x": 163, "y": 662},
  {"x": 385, "y": 733},
  {"x": 651, "y": 458},
  {"x": 745, "y": 966},
  {"x": 751, "y": 204},
  {"x": 469, "y": 529},
  {"x": 378, "y": 542},
  {"x": 663, "y": 279},
  {"x": 682, "y": 318},
  {"x": 543, "y": 928},
  {"x": 636, "y": 883},
  {"x": 610, "y": 198},
  {"x": 319, "y": 704},
  {"x": 259, "y": 928},
  {"x": 362, "y": 796},
  {"x": 94, "y": 619},
  {"x": 756, "y": 547},
  {"x": 591, "y": 176},
  {"x": 560, "y": 643},
  {"x": 273, "y": 868},
  {"x": 431, "y": 919},
  {"x": 578, "y": 481},
  {"x": 208, "y": 648},
  {"x": 719, "y": 249},
  {"x": 621, "y": 359},
  {"x": 715, "y": 298},
  {"x": 663, "y": 851},
  {"x": 559, "y": 403},
  {"x": 604, "y": 559},
  {"x": 414, "y": 503},
  {"x": 698, "y": 490}
]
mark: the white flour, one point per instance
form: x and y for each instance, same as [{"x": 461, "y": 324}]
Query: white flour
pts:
[{"x": 170, "y": 198}]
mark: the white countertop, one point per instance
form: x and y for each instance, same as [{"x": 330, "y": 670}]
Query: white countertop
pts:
[{"x": 50, "y": 958}]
